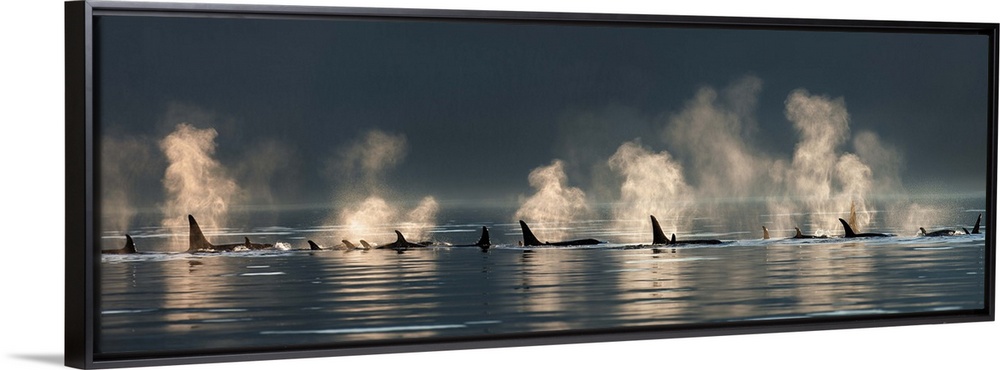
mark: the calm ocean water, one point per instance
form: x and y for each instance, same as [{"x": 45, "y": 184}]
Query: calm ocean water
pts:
[{"x": 165, "y": 301}]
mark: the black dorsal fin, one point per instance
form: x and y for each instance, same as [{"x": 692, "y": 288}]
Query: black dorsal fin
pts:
[
  {"x": 658, "y": 236},
  {"x": 848, "y": 231},
  {"x": 196, "y": 239},
  {"x": 529, "y": 238},
  {"x": 399, "y": 238},
  {"x": 975, "y": 229},
  {"x": 129, "y": 244},
  {"x": 313, "y": 246},
  {"x": 484, "y": 240},
  {"x": 798, "y": 233},
  {"x": 673, "y": 238}
]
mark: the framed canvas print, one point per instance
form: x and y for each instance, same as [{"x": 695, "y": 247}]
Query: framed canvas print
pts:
[{"x": 252, "y": 182}]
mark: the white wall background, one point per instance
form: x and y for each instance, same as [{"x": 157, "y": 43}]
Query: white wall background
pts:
[{"x": 31, "y": 187}]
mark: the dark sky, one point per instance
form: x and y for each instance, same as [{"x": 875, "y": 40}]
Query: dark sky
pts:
[{"x": 481, "y": 105}]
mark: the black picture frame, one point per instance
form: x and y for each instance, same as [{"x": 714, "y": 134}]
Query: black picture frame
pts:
[{"x": 83, "y": 264}]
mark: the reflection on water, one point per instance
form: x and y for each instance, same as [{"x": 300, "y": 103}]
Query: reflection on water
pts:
[
  {"x": 161, "y": 300},
  {"x": 177, "y": 301}
]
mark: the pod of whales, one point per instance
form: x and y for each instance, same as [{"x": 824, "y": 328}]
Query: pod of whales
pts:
[
  {"x": 975, "y": 229},
  {"x": 198, "y": 242}
]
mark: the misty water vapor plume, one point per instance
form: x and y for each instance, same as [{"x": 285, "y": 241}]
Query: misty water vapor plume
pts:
[
  {"x": 194, "y": 181},
  {"x": 711, "y": 135},
  {"x": 652, "y": 184},
  {"x": 821, "y": 179},
  {"x": 364, "y": 211},
  {"x": 718, "y": 167},
  {"x": 554, "y": 205}
]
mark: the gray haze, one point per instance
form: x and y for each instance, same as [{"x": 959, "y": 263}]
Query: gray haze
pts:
[{"x": 480, "y": 106}]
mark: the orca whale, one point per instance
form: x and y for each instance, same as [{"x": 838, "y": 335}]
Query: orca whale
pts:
[
  {"x": 849, "y": 232},
  {"x": 345, "y": 245},
  {"x": 975, "y": 229},
  {"x": 673, "y": 240},
  {"x": 800, "y": 235},
  {"x": 483, "y": 243},
  {"x": 198, "y": 242},
  {"x": 530, "y": 240},
  {"x": 660, "y": 238},
  {"x": 400, "y": 244},
  {"x": 365, "y": 244},
  {"x": 129, "y": 247},
  {"x": 944, "y": 232}
]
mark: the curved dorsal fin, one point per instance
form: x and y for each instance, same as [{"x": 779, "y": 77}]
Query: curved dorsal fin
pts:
[
  {"x": 798, "y": 233},
  {"x": 529, "y": 238},
  {"x": 767, "y": 235},
  {"x": 399, "y": 237},
  {"x": 313, "y": 246},
  {"x": 658, "y": 236},
  {"x": 348, "y": 243},
  {"x": 129, "y": 244},
  {"x": 922, "y": 231},
  {"x": 365, "y": 244},
  {"x": 196, "y": 239},
  {"x": 848, "y": 231}
]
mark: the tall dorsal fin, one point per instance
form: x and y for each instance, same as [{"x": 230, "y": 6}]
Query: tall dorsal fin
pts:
[
  {"x": 658, "y": 236},
  {"x": 975, "y": 229},
  {"x": 673, "y": 238},
  {"x": 313, "y": 246},
  {"x": 196, "y": 239},
  {"x": 400, "y": 238},
  {"x": 529, "y": 238},
  {"x": 129, "y": 244},
  {"x": 484, "y": 240},
  {"x": 848, "y": 231},
  {"x": 798, "y": 233},
  {"x": 246, "y": 242},
  {"x": 767, "y": 235}
]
